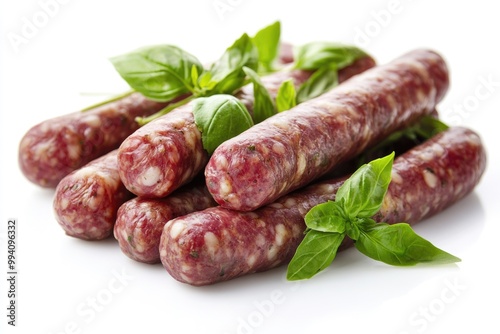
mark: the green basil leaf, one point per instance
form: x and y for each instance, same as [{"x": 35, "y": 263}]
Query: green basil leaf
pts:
[
  {"x": 316, "y": 55},
  {"x": 226, "y": 74},
  {"x": 160, "y": 72},
  {"x": 426, "y": 128},
  {"x": 263, "y": 106},
  {"x": 318, "y": 83},
  {"x": 267, "y": 41},
  {"x": 219, "y": 118},
  {"x": 287, "y": 96},
  {"x": 326, "y": 217},
  {"x": 315, "y": 253},
  {"x": 399, "y": 245},
  {"x": 400, "y": 141},
  {"x": 362, "y": 194}
]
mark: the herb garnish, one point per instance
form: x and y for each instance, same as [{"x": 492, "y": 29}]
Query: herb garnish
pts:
[{"x": 357, "y": 200}]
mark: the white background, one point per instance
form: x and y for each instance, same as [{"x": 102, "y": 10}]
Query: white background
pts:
[{"x": 62, "y": 66}]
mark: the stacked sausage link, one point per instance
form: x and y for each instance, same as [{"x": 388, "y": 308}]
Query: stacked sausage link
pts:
[
  {"x": 219, "y": 244},
  {"x": 54, "y": 148},
  {"x": 291, "y": 149}
]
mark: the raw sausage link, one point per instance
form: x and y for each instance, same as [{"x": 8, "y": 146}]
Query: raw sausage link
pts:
[
  {"x": 54, "y": 148},
  {"x": 140, "y": 221},
  {"x": 168, "y": 152},
  {"x": 218, "y": 244},
  {"x": 289, "y": 150},
  {"x": 86, "y": 200}
]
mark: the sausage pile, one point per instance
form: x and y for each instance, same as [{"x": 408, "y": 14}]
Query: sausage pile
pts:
[{"x": 241, "y": 210}]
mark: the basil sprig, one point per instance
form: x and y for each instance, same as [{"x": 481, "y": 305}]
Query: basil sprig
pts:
[
  {"x": 357, "y": 200},
  {"x": 165, "y": 72}
]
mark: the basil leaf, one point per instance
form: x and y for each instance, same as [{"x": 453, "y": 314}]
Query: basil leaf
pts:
[
  {"x": 318, "y": 83},
  {"x": 226, "y": 74},
  {"x": 160, "y": 72},
  {"x": 287, "y": 97},
  {"x": 326, "y": 217},
  {"x": 400, "y": 141},
  {"x": 267, "y": 41},
  {"x": 219, "y": 118},
  {"x": 399, "y": 245},
  {"x": 427, "y": 127},
  {"x": 362, "y": 194},
  {"x": 263, "y": 106},
  {"x": 316, "y": 55},
  {"x": 316, "y": 252}
]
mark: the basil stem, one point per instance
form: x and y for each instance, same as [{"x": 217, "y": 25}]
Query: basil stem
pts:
[
  {"x": 144, "y": 120},
  {"x": 110, "y": 100}
]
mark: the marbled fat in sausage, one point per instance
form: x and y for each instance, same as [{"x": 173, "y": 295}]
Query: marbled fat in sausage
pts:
[
  {"x": 140, "y": 221},
  {"x": 291, "y": 149},
  {"x": 86, "y": 201},
  {"x": 54, "y": 148},
  {"x": 168, "y": 152},
  {"x": 218, "y": 244}
]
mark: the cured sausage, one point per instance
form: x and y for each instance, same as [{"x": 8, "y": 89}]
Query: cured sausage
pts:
[
  {"x": 54, "y": 148},
  {"x": 218, "y": 244},
  {"x": 291, "y": 149},
  {"x": 86, "y": 200},
  {"x": 140, "y": 221},
  {"x": 168, "y": 152}
]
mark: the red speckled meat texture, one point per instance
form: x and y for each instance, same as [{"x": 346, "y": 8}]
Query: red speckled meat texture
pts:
[
  {"x": 86, "y": 201},
  {"x": 54, "y": 148},
  {"x": 140, "y": 221},
  {"x": 168, "y": 152},
  {"x": 291, "y": 149},
  {"x": 218, "y": 244}
]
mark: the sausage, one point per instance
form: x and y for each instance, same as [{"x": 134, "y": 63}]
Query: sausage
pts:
[
  {"x": 54, "y": 148},
  {"x": 289, "y": 150},
  {"x": 140, "y": 221},
  {"x": 219, "y": 244},
  {"x": 86, "y": 200},
  {"x": 168, "y": 152}
]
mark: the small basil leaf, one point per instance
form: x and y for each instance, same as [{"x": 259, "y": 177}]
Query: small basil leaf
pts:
[
  {"x": 362, "y": 194},
  {"x": 263, "y": 106},
  {"x": 326, "y": 217},
  {"x": 315, "y": 253},
  {"x": 226, "y": 74},
  {"x": 316, "y": 55},
  {"x": 219, "y": 118},
  {"x": 427, "y": 127},
  {"x": 287, "y": 96},
  {"x": 267, "y": 42},
  {"x": 399, "y": 245},
  {"x": 318, "y": 83},
  {"x": 160, "y": 72}
]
